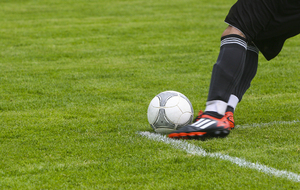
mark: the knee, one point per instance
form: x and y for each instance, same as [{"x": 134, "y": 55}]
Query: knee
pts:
[{"x": 232, "y": 30}]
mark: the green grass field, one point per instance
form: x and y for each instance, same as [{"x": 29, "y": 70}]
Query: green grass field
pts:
[{"x": 76, "y": 80}]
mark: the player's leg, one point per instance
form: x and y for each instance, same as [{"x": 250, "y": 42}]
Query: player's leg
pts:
[
  {"x": 250, "y": 69},
  {"x": 249, "y": 72},
  {"x": 232, "y": 30},
  {"x": 226, "y": 73}
]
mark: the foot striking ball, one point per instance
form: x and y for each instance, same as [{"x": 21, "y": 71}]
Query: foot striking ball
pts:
[{"x": 169, "y": 111}]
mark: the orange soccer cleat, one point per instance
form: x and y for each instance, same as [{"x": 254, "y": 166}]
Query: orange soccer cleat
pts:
[
  {"x": 229, "y": 117},
  {"x": 205, "y": 126}
]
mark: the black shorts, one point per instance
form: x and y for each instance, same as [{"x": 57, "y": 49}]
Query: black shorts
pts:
[{"x": 268, "y": 23}]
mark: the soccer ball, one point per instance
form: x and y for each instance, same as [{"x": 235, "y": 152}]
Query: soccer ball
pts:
[{"x": 168, "y": 111}]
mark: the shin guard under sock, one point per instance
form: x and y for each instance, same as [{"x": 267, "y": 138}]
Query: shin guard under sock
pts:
[
  {"x": 249, "y": 72},
  {"x": 228, "y": 69}
]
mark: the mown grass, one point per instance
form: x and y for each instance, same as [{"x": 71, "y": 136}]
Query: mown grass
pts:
[{"x": 77, "y": 78}]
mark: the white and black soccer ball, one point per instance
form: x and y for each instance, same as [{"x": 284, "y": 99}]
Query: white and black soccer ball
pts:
[{"x": 169, "y": 111}]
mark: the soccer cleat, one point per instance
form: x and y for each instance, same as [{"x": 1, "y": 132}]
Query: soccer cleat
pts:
[
  {"x": 207, "y": 126},
  {"x": 229, "y": 117}
]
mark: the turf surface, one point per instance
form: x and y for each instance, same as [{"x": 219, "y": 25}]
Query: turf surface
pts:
[{"x": 76, "y": 80}]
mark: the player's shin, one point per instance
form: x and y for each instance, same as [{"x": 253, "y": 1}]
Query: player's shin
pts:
[
  {"x": 249, "y": 72},
  {"x": 226, "y": 74}
]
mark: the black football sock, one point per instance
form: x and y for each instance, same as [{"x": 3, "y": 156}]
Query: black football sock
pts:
[
  {"x": 226, "y": 73},
  {"x": 249, "y": 72},
  {"x": 229, "y": 108},
  {"x": 213, "y": 114}
]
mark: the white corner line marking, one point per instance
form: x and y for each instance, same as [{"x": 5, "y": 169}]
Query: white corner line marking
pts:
[
  {"x": 196, "y": 150},
  {"x": 268, "y": 124}
]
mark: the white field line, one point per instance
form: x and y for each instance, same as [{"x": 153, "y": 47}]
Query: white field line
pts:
[
  {"x": 196, "y": 150},
  {"x": 268, "y": 124}
]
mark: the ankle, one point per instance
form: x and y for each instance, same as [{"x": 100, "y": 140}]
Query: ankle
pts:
[
  {"x": 213, "y": 114},
  {"x": 229, "y": 108}
]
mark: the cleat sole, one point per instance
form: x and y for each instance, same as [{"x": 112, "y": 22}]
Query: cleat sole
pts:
[
  {"x": 192, "y": 135},
  {"x": 221, "y": 133},
  {"x": 200, "y": 135}
]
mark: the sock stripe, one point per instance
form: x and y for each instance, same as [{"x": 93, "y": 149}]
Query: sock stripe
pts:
[
  {"x": 234, "y": 40},
  {"x": 253, "y": 48}
]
